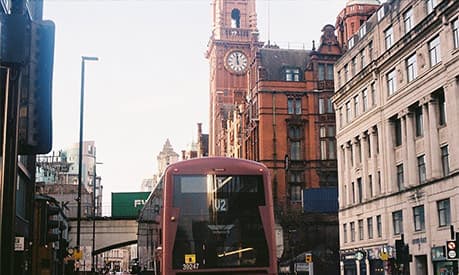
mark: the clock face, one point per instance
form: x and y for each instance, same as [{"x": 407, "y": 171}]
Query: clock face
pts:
[{"x": 237, "y": 61}]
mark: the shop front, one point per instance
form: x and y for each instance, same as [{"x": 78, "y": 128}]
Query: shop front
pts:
[
  {"x": 441, "y": 265},
  {"x": 353, "y": 262},
  {"x": 377, "y": 260}
]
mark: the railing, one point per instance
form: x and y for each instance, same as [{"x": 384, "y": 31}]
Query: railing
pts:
[
  {"x": 235, "y": 34},
  {"x": 325, "y": 85}
]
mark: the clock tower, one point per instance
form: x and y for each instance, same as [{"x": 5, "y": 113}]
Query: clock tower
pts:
[{"x": 232, "y": 45}]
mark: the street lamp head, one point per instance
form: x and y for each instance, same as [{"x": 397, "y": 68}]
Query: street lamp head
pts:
[{"x": 89, "y": 58}]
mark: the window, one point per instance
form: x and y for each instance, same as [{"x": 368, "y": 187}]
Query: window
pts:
[
  {"x": 362, "y": 59},
  {"x": 353, "y": 65},
  {"x": 389, "y": 37},
  {"x": 373, "y": 94},
  {"x": 380, "y": 13},
  {"x": 419, "y": 121},
  {"x": 434, "y": 51},
  {"x": 418, "y": 218},
  {"x": 359, "y": 190},
  {"x": 341, "y": 117},
  {"x": 370, "y": 50},
  {"x": 294, "y": 105},
  {"x": 353, "y": 192},
  {"x": 352, "y": 231},
  {"x": 339, "y": 78},
  {"x": 346, "y": 71},
  {"x": 370, "y": 185},
  {"x": 325, "y": 106},
  {"x": 444, "y": 212},
  {"x": 327, "y": 142},
  {"x": 295, "y": 193},
  {"x": 456, "y": 33},
  {"x": 345, "y": 232},
  {"x": 235, "y": 18},
  {"x": 442, "y": 109},
  {"x": 422, "y": 169},
  {"x": 321, "y": 72},
  {"x": 376, "y": 138},
  {"x": 391, "y": 82},
  {"x": 358, "y": 147},
  {"x": 379, "y": 226},
  {"x": 356, "y": 105},
  {"x": 398, "y": 132},
  {"x": 350, "y": 43},
  {"x": 295, "y": 137},
  {"x": 411, "y": 67},
  {"x": 369, "y": 144},
  {"x": 348, "y": 111},
  {"x": 292, "y": 74},
  {"x": 408, "y": 20},
  {"x": 431, "y": 4},
  {"x": 445, "y": 160},
  {"x": 329, "y": 74},
  {"x": 370, "y": 227},
  {"x": 351, "y": 154},
  {"x": 397, "y": 222},
  {"x": 400, "y": 179},
  {"x": 330, "y": 109},
  {"x": 360, "y": 229},
  {"x": 363, "y": 30},
  {"x": 365, "y": 100},
  {"x": 321, "y": 105}
]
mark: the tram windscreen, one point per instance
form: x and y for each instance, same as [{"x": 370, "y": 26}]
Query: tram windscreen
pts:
[{"x": 219, "y": 223}]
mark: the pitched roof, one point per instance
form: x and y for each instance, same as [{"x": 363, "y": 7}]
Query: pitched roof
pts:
[{"x": 275, "y": 60}]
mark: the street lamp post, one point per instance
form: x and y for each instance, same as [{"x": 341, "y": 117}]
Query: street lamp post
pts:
[{"x": 80, "y": 149}]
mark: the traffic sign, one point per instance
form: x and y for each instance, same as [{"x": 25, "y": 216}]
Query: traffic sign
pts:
[{"x": 451, "y": 253}]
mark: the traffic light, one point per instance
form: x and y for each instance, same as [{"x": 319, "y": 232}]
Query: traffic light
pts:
[
  {"x": 402, "y": 251},
  {"x": 35, "y": 116},
  {"x": 399, "y": 249},
  {"x": 308, "y": 258},
  {"x": 48, "y": 223}
]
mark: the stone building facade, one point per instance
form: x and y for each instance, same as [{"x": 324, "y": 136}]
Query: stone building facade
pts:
[{"x": 396, "y": 102}]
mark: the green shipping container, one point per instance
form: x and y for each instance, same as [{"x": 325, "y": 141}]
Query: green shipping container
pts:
[{"x": 128, "y": 204}]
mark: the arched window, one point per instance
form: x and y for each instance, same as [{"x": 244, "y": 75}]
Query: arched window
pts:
[{"x": 235, "y": 18}]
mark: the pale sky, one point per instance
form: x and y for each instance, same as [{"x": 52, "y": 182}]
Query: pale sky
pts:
[{"x": 152, "y": 78}]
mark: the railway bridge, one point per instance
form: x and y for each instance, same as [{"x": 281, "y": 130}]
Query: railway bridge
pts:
[{"x": 109, "y": 233}]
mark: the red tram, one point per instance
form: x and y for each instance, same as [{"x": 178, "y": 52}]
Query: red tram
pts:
[{"x": 216, "y": 217}]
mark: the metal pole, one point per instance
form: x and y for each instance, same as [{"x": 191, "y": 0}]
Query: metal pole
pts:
[
  {"x": 80, "y": 150},
  {"x": 94, "y": 215},
  {"x": 9, "y": 171},
  {"x": 80, "y": 156}
]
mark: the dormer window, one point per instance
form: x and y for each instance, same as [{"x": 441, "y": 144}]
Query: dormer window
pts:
[
  {"x": 235, "y": 18},
  {"x": 292, "y": 74}
]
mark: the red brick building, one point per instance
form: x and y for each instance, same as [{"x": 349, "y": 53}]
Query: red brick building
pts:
[
  {"x": 234, "y": 36},
  {"x": 288, "y": 121},
  {"x": 352, "y": 18}
]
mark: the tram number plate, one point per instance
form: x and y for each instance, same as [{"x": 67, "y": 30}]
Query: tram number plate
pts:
[
  {"x": 191, "y": 266},
  {"x": 221, "y": 205}
]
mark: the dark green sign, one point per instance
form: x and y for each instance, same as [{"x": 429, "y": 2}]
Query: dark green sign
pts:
[{"x": 128, "y": 204}]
